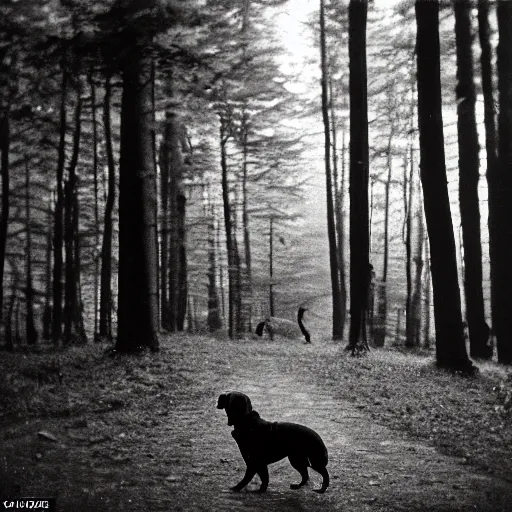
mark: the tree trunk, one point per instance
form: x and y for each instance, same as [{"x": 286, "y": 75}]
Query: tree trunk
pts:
[
  {"x": 105, "y": 321},
  {"x": 408, "y": 204},
  {"x": 96, "y": 201},
  {"x": 47, "y": 311},
  {"x": 232, "y": 300},
  {"x": 469, "y": 163},
  {"x": 164, "y": 236},
  {"x": 58, "y": 235},
  {"x": 71, "y": 302},
  {"x": 4, "y": 222},
  {"x": 359, "y": 176},
  {"x": 450, "y": 347},
  {"x": 503, "y": 211},
  {"x": 490, "y": 143},
  {"x": 177, "y": 277},
  {"x": 138, "y": 263},
  {"x": 418, "y": 262},
  {"x": 9, "y": 339},
  {"x": 245, "y": 223},
  {"x": 337, "y": 313},
  {"x": 182, "y": 268},
  {"x": 271, "y": 307},
  {"x": 30, "y": 327},
  {"x": 379, "y": 328},
  {"x": 428, "y": 277},
  {"x": 214, "y": 318},
  {"x": 338, "y": 190}
]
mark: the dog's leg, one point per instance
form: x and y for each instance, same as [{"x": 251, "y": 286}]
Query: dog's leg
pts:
[
  {"x": 325, "y": 475},
  {"x": 263, "y": 474},
  {"x": 249, "y": 475},
  {"x": 301, "y": 465}
]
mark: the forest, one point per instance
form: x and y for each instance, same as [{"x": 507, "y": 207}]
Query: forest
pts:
[{"x": 197, "y": 191}]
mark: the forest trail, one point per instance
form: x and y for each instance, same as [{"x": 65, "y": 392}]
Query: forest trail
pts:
[
  {"x": 143, "y": 433},
  {"x": 371, "y": 467}
]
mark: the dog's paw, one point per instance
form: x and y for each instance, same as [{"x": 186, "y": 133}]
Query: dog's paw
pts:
[
  {"x": 235, "y": 488},
  {"x": 319, "y": 491}
]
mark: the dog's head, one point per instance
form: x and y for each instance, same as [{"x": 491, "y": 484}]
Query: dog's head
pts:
[{"x": 237, "y": 406}]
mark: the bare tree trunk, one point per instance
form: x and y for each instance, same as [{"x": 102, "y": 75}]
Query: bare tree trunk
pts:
[
  {"x": 503, "y": 256},
  {"x": 9, "y": 339},
  {"x": 245, "y": 223},
  {"x": 47, "y": 312},
  {"x": 138, "y": 262},
  {"x": 105, "y": 321},
  {"x": 469, "y": 163},
  {"x": 177, "y": 274},
  {"x": 359, "y": 176},
  {"x": 96, "y": 201},
  {"x": 408, "y": 203},
  {"x": 337, "y": 313},
  {"x": 165, "y": 228},
  {"x": 490, "y": 143},
  {"x": 29, "y": 293},
  {"x": 418, "y": 261},
  {"x": 379, "y": 330},
  {"x": 271, "y": 306},
  {"x": 71, "y": 304},
  {"x": 59, "y": 207},
  {"x": 450, "y": 347},
  {"x": 214, "y": 319},
  {"x": 426, "y": 343},
  {"x": 338, "y": 191},
  {"x": 228, "y": 227}
]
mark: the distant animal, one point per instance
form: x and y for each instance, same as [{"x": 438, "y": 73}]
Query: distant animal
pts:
[
  {"x": 284, "y": 327},
  {"x": 263, "y": 442}
]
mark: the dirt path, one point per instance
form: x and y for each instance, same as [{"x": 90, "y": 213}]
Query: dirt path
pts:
[
  {"x": 169, "y": 449},
  {"x": 372, "y": 468}
]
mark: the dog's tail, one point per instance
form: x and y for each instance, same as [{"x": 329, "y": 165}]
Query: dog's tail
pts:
[{"x": 259, "y": 328}]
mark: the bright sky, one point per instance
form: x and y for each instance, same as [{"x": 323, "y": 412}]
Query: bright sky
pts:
[{"x": 297, "y": 38}]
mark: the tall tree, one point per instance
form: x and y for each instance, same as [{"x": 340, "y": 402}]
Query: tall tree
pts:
[
  {"x": 137, "y": 277},
  {"x": 360, "y": 271},
  {"x": 58, "y": 233},
  {"x": 7, "y": 90},
  {"x": 503, "y": 226},
  {"x": 337, "y": 313},
  {"x": 490, "y": 142},
  {"x": 469, "y": 163},
  {"x": 450, "y": 346},
  {"x": 105, "y": 316},
  {"x": 30, "y": 328}
]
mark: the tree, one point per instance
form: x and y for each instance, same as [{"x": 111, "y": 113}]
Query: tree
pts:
[
  {"x": 59, "y": 208},
  {"x": 359, "y": 176},
  {"x": 337, "y": 312},
  {"x": 490, "y": 143},
  {"x": 503, "y": 211},
  {"x": 450, "y": 346},
  {"x": 137, "y": 277},
  {"x": 469, "y": 163},
  {"x": 105, "y": 320}
]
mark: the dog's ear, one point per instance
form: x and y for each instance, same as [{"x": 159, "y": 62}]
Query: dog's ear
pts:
[{"x": 222, "y": 402}]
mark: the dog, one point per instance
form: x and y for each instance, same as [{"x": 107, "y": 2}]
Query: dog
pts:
[{"x": 263, "y": 442}]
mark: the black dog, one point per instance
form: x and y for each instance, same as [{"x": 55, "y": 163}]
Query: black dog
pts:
[{"x": 261, "y": 443}]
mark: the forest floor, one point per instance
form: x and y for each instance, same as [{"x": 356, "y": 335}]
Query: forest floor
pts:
[{"x": 142, "y": 433}]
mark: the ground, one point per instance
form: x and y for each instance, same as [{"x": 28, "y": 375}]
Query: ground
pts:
[{"x": 143, "y": 433}]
